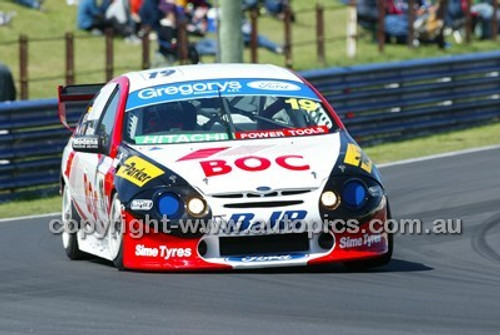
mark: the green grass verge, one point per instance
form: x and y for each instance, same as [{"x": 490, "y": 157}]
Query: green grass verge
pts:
[
  {"x": 458, "y": 140},
  {"x": 46, "y": 59},
  {"x": 30, "y": 207}
]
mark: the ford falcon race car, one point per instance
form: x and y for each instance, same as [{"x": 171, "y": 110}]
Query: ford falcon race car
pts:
[{"x": 216, "y": 167}]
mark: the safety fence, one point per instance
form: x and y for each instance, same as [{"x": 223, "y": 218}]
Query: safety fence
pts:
[
  {"x": 378, "y": 103},
  {"x": 395, "y": 101},
  {"x": 320, "y": 39},
  {"x": 71, "y": 46}
]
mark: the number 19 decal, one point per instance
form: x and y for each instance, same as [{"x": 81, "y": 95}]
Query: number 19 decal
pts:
[{"x": 305, "y": 104}]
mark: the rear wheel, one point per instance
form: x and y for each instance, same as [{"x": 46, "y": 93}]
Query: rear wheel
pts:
[
  {"x": 115, "y": 233},
  {"x": 71, "y": 221}
]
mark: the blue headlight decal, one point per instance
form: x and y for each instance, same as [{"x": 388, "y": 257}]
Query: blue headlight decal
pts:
[
  {"x": 354, "y": 194},
  {"x": 170, "y": 204}
]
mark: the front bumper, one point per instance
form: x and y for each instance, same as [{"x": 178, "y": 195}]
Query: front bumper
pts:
[{"x": 157, "y": 251}]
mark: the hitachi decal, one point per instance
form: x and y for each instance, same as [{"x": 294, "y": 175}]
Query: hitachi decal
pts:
[
  {"x": 188, "y": 89},
  {"x": 180, "y": 138}
]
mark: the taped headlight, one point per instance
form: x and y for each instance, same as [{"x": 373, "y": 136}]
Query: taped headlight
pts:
[
  {"x": 354, "y": 194},
  {"x": 170, "y": 205}
]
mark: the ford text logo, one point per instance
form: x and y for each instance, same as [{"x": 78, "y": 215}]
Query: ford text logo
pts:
[{"x": 270, "y": 85}]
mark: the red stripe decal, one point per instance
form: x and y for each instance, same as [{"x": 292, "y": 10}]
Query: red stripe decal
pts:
[{"x": 202, "y": 153}]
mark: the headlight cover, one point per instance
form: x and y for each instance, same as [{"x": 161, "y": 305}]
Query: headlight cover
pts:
[
  {"x": 170, "y": 205},
  {"x": 354, "y": 193},
  {"x": 359, "y": 197}
]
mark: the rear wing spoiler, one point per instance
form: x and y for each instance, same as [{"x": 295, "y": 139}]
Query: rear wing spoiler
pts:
[{"x": 75, "y": 97}]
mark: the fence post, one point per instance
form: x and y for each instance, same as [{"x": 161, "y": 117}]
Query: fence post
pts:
[
  {"x": 288, "y": 37},
  {"x": 443, "y": 5},
  {"x": 70, "y": 59},
  {"x": 109, "y": 54},
  {"x": 320, "y": 34},
  {"x": 494, "y": 22},
  {"x": 182, "y": 50},
  {"x": 380, "y": 24},
  {"x": 468, "y": 22},
  {"x": 146, "y": 63},
  {"x": 23, "y": 66},
  {"x": 352, "y": 29},
  {"x": 411, "y": 21},
  {"x": 253, "y": 36}
]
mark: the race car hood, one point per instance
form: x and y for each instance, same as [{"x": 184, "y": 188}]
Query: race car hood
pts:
[{"x": 250, "y": 165}]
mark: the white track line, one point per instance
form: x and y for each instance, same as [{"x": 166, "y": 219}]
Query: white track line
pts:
[
  {"x": 28, "y": 217},
  {"x": 402, "y": 162},
  {"x": 443, "y": 155}
]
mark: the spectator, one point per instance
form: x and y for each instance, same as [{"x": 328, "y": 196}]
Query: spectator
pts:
[
  {"x": 118, "y": 17},
  {"x": 168, "y": 31},
  {"x": 90, "y": 16},
  {"x": 196, "y": 13},
  {"x": 150, "y": 14},
  {"x": 7, "y": 87},
  {"x": 208, "y": 46},
  {"x": 35, "y": 4},
  {"x": 135, "y": 6},
  {"x": 396, "y": 20},
  {"x": 262, "y": 41},
  {"x": 367, "y": 13},
  {"x": 483, "y": 13},
  {"x": 274, "y": 8},
  {"x": 427, "y": 25}
]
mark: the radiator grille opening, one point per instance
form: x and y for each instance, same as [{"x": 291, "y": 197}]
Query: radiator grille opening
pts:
[
  {"x": 263, "y": 245},
  {"x": 264, "y": 204},
  {"x": 252, "y": 194}
]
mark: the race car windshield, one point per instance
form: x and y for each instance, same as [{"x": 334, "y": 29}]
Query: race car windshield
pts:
[{"x": 226, "y": 118}]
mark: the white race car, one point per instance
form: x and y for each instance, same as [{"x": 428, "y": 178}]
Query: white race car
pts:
[{"x": 217, "y": 167}]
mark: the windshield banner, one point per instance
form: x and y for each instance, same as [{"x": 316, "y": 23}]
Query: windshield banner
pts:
[
  {"x": 212, "y": 88},
  {"x": 256, "y": 134}
]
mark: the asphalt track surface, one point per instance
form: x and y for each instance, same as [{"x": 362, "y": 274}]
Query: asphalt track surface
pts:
[{"x": 434, "y": 285}]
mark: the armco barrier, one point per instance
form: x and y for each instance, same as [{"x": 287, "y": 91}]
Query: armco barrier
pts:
[
  {"x": 394, "y": 101},
  {"x": 378, "y": 103},
  {"x": 31, "y": 143}
]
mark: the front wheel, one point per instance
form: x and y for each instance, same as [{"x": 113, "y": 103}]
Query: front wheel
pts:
[
  {"x": 115, "y": 233},
  {"x": 71, "y": 221}
]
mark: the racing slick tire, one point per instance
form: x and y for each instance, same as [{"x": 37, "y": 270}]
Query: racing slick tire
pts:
[
  {"x": 115, "y": 233},
  {"x": 71, "y": 220}
]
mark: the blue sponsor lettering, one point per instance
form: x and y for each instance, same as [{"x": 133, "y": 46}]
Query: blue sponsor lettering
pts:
[
  {"x": 240, "y": 222},
  {"x": 211, "y": 88}
]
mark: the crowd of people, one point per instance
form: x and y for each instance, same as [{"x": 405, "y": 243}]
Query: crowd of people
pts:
[
  {"x": 161, "y": 19},
  {"x": 428, "y": 23},
  {"x": 132, "y": 19}
]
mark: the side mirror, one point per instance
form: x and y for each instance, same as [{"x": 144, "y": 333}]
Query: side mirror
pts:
[{"x": 88, "y": 143}]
